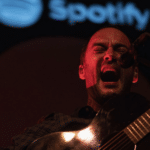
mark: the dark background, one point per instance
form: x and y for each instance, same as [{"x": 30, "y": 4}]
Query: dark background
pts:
[{"x": 39, "y": 70}]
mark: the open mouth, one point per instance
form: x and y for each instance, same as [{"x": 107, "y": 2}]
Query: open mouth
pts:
[{"x": 110, "y": 76}]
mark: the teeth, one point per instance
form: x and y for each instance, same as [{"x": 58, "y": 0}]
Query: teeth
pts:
[{"x": 109, "y": 70}]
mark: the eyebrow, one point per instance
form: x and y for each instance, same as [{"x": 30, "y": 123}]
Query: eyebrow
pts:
[{"x": 114, "y": 46}]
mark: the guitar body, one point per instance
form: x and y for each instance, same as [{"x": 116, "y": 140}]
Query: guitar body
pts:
[
  {"x": 55, "y": 142},
  {"x": 105, "y": 132}
]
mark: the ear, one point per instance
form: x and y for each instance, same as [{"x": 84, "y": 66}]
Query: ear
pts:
[
  {"x": 81, "y": 72},
  {"x": 135, "y": 76}
]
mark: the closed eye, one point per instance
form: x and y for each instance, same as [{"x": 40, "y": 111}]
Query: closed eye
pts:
[
  {"x": 117, "y": 48},
  {"x": 100, "y": 49},
  {"x": 121, "y": 49}
]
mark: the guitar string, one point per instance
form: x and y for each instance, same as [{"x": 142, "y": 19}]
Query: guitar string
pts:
[
  {"x": 111, "y": 140},
  {"x": 117, "y": 146},
  {"x": 128, "y": 146},
  {"x": 114, "y": 140},
  {"x": 125, "y": 140},
  {"x": 130, "y": 142},
  {"x": 106, "y": 145},
  {"x": 117, "y": 135}
]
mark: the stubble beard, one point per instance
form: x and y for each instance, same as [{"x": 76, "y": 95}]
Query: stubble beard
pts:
[{"x": 102, "y": 97}]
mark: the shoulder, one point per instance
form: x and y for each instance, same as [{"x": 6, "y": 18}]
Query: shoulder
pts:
[
  {"x": 138, "y": 98},
  {"x": 49, "y": 116}
]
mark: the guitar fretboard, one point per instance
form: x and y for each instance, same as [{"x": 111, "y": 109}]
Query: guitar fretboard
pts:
[{"x": 139, "y": 128}]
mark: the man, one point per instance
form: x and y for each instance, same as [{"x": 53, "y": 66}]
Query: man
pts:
[
  {"x": 102, "y": 54},
  {"x": 104, "y": 78}
]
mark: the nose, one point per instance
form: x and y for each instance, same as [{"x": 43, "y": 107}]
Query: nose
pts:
[{"x": 109, "y": 55}]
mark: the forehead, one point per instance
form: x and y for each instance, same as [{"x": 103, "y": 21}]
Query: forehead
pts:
[{"x": 110, "y": 35}]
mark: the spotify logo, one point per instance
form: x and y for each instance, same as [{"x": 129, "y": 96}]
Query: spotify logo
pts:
[{"x": 20, "y": 13}]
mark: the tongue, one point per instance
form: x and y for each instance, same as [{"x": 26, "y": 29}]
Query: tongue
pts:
[{"x": 109, "y": 76}]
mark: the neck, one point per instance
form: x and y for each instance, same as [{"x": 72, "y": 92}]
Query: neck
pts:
[{"x": 92, "y": 103}]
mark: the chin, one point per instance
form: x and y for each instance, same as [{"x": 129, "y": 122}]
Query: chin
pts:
[{"x": 110, "y": 88}]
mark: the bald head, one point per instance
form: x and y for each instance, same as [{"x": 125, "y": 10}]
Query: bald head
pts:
[{"x": 110, "y": 34}]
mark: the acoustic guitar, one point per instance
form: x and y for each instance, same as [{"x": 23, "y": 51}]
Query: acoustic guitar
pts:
[{"x": 118, "y": 126}]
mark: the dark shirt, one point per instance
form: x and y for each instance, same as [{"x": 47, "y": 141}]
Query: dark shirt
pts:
[{"x": 53, "y": 122}]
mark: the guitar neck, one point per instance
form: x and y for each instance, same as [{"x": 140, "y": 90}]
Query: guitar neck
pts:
[
  {"x": 130, "y": 135},
  {"x": 139, "y": 128}
]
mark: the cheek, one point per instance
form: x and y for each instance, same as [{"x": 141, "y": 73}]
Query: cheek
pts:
[
  {"x": 127, "y": 74},
  {"x": 91, "y": 62},
  {"x": 91, "y": 71}
]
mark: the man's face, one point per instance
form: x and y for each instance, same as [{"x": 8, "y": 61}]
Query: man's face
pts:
[{"x": 105, "y": 48}]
